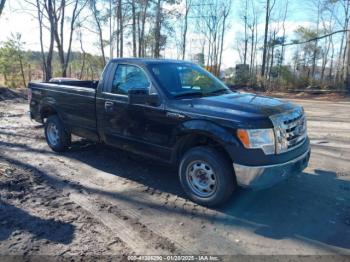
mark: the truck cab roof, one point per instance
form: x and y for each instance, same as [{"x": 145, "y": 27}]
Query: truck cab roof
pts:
[{"x": 145, "y": 61}]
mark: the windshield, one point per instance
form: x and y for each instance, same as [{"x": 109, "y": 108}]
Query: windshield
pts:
[{"x": 181, "y": 80}]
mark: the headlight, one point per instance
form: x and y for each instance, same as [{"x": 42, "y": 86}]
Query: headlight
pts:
[
  {"x": 258, "y": 138},
  {"x": 281, "y": 140}
]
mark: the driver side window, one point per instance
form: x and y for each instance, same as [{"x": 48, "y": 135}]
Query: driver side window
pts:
[{"x": 127, "y": 77}]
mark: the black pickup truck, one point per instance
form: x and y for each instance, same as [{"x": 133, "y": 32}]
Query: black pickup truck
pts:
[{"x": 177, "y": 112}]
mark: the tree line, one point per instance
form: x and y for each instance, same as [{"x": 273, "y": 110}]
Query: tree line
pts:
[
  {"x": 270, "y": 57},
  {"x": 145, "y": 26},
  {"x": 18, "y": 67},
  {"x": 315, "y": 55}
]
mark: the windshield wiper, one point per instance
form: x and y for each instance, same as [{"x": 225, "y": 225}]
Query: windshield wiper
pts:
[
  {"x": 197, "y": 93},
  {"x": 217, "y": 91}
]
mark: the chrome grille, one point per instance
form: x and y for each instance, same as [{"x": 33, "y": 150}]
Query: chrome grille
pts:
[
  {"x": 295, "y": 131},
  {"x": 290, "y": 130}
]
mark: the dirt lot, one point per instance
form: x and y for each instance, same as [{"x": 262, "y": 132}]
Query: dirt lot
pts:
[{"x": 95, "y": 200}]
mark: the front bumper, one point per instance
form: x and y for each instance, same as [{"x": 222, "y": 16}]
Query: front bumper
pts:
[{"x": 259, "y": 177}]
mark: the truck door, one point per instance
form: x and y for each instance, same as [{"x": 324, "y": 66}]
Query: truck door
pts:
[{"x": 138, "y": 128}]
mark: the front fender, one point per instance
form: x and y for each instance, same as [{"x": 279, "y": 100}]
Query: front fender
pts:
[
  {"x": 214, "y": 131},
  {"x": 223, "y": 136}
]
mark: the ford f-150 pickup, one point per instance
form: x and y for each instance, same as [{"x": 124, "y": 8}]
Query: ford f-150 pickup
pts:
[{"x": 177, "y": 112}]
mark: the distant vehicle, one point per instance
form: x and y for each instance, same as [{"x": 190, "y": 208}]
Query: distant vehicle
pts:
[{"x": 177, "y": 112}]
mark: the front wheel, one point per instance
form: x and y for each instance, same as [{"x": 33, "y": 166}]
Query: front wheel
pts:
[
  {"x": 57, "y": 137},
  {"x": 206, "y": 176}
]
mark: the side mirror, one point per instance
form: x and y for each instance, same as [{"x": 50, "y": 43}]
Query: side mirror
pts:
[{"x": 143, "y": 97}]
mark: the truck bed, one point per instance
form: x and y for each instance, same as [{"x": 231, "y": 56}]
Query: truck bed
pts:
[
  {"x": 77, "y": 83},
  {"x": 71, "y": 86},
  {"x": 73, "y": 100}
]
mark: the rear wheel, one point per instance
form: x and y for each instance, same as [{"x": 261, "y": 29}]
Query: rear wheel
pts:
[
  {"x": 206, "y": 176},
  {"x": 57, "y": 137}
]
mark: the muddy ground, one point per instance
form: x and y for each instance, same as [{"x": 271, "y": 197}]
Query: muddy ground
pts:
[{"x": 95, "y": 200}]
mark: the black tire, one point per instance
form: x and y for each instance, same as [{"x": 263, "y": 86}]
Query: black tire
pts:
[
  {"x": 63, "y": 140},
  {"x": 225, "y": 182}
]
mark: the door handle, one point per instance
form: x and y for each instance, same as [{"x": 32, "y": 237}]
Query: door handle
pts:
[
  {"x": 175, "y": 115},
  {"x": 109, "y": 106}
]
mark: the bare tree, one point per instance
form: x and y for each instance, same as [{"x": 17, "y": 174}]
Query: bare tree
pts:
[
  {"x": 17, "y": 44},
  {"x": 162, "y": 28},
  {"x": 225, "y": 13},
  {"x": 327, "y": 24},
  {"x": 134, "y": 40},
  {"x": 346, "y": 6},
  {"x": 46, "y": 55},
  {"x": 269, "y": 8},
  {"x": 314, "y": 59},
  {"x": 144, "y": 5},
  {"x": 157, "y": 29},
  {"x": 272, "y": 48},
  {"x": 98, "y": 22},
  {"x": 56, "y": 12},
  {"x": 120, "y": 29},
  {"x": 245, "y": 18},
  {"x": 110, "y": 29},
  {"x": 347, "y": 71},
  {"x": 284, "y": 31},
  {"x": 188, "y": 4},
  {"x": 211, "y": 23},
  {"x": 342, "y": 19},
  {"x": 80, "y": 38},
  {"x": 330, "y": 75},
  {"x": 252, "y": 22}
]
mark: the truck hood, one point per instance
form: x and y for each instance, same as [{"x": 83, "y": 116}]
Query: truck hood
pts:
[{"x": 241, "y": 108}]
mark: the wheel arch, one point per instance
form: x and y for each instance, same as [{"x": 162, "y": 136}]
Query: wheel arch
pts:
[
  {"x": 200, "y": 132},
  {"x": 48, "y": 108}
]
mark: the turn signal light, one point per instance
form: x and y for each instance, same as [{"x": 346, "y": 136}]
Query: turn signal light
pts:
[{"x": 244, "y": 137}]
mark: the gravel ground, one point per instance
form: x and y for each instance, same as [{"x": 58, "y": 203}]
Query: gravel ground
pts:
[{"x": 95, "y": 200}]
